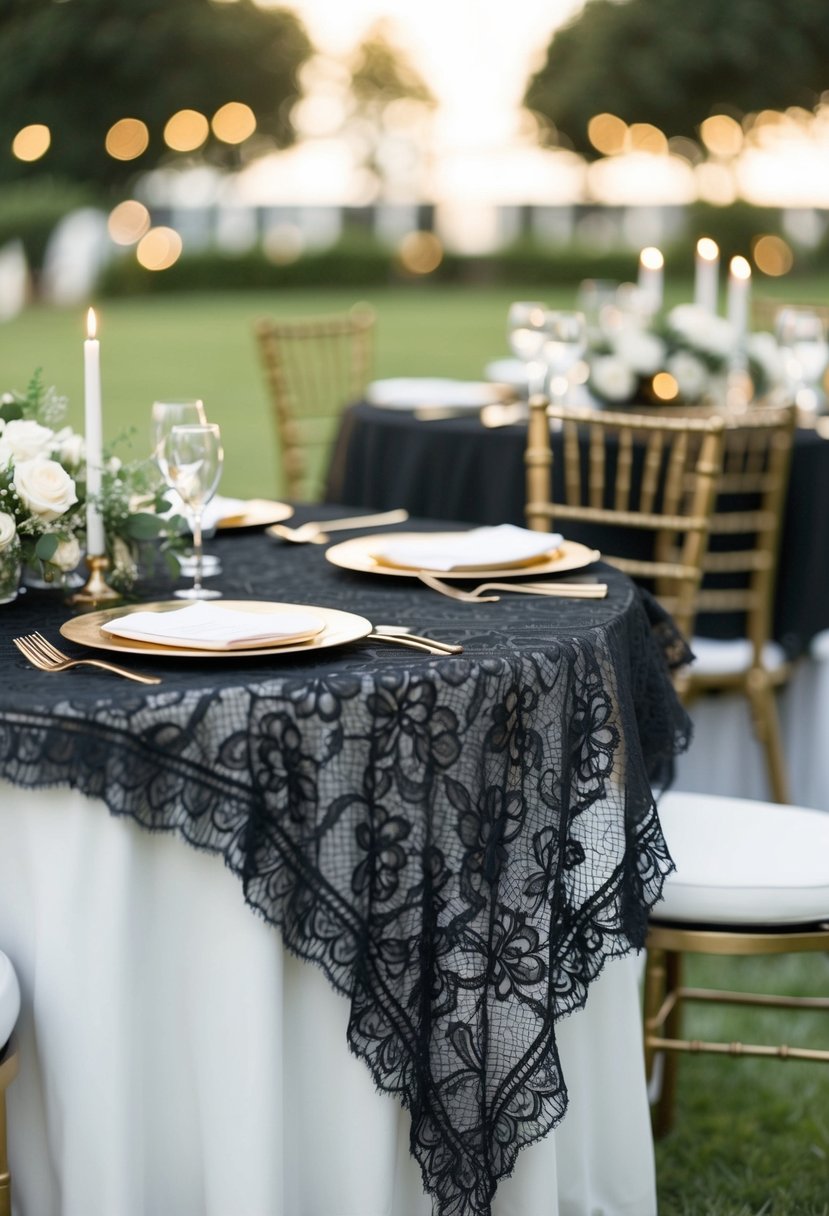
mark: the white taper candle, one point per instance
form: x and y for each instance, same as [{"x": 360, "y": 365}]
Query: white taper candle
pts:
[
  {"x": 650, "y": 281},
  {"x": 93, "y": 427},
  {"x": 706, "y": 274},
  {"x": 739, "y": 289}
]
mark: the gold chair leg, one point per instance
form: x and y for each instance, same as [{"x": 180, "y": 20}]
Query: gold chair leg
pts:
[
  {"x": 8, "y": 1071},
  {"x": 767, "y": 729},
  {"x": 5, "y": 1177},
  {"x": 654, "y": 994},
  {"x": 663, "y": 1117}
]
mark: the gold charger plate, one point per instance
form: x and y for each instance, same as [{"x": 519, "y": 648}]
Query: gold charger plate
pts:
[
  {"x": 356, "y": 554},
  {"x": 339, "y": 628},
  {"x": 258, "y": 513}
]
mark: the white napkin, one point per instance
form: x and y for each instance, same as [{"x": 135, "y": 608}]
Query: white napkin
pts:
[
  {"x": 479, "y": 549},
  {"x": 407, "y": 393},
  {"x": 210, "y": 626}
]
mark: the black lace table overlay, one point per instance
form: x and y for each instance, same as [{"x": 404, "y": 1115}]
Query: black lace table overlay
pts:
[{"x": 459, "y": 843}]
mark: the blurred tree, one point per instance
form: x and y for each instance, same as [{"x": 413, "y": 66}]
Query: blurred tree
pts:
[
  {"x": 388, "y": 105},
  {"x": 78, "y": 66},
  {"x": 673, "y": 63}
]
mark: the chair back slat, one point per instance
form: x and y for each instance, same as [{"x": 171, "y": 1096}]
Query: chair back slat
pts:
[
  {"x": 624, "y": 472},
  {"x": 740, "y": 566},
  {"x": 636, "y": 475},
  {"x": 313, "y": 367}
]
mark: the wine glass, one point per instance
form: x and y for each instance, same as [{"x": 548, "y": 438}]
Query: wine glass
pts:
[
  {"x": 801, "y": 336},
  {"x": 191, "y": 461},
  {"x": 525, "y": 332},
  {"x": 598, "y": 300},
  {"x": 163, "y": 416},
  {"x": 565, "y": 344}
]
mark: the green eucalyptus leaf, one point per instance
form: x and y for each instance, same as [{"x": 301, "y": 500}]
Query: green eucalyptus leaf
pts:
[
  {"x": 143, "y": 526},
  {"x": 10, "y": 411},
  {"x": 46, "y": 546}
]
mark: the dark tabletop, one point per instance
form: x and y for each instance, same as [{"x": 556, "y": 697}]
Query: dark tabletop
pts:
[
  {"x": 456, "y": 468},
  {"x": 460, "y": 843}
]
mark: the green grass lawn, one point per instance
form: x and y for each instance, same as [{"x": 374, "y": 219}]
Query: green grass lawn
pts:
[
  {"x": 752, "y": 1137},
  {"x": 202, "y": 346}
]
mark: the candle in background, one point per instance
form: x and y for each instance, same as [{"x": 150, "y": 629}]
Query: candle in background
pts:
[
  {"x": 651, "y": 263},
  {"x": 739, "y": 288},
  {"x": 95, "y": 546},
  {"x": 706, "y": 274}
]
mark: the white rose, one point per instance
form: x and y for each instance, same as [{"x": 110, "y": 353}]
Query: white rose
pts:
[
  {"x": 8, "y": 529},
  {"x": 44, "y": 487},
  {"x": 697, "y": 326},
  {"x": 687, "y": 320},
  {"x": 764, "y": 349},
  {"x": 69, "y": 447},
  {"x": 6, "y": 454},
  {"x": 67, "y": 555},
  {"x": 28, "y": 439},
  {"x": 644, "y": 353},
  {"x": 690, "y": 374},
  {"x": 611, "y": 379}
]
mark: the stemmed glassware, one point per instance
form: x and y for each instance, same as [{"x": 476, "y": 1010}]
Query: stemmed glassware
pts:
[
  {"x": 801, "y": 336},
  {"x": 564, "y": 345},
  {"x": 525, "y": 333},
  {"x": 191, "y": 462},
  {"x": 163, "y": 417}
]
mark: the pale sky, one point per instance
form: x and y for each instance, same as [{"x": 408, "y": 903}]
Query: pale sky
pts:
[{"x": 475, "y": 55}]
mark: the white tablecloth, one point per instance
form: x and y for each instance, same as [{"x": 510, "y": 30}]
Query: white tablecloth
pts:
[
  {"x": 175, "y": 1061},
  {"x": 725, "y": 757}
]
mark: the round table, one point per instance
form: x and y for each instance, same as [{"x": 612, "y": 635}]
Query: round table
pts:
[
  {"x": 461, "y": 844},
  {"x": 457, "y": 468}
]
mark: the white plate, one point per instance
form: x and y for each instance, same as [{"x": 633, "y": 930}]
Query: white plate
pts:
[
  {"x": 356, "y": 554},
  {"x": 413, "y": 393},
  {"x": 508, "y": 371},
  {"x": 339, "y": 628},
  {"x": 257, "y": 513}
]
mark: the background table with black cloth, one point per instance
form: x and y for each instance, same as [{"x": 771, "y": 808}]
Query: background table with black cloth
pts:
[
  {"x": 460, "y": 843},
  {"x": 456, "y": 468}
]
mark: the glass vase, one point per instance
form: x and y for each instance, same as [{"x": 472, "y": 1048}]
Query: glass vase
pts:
[{"x": 11, "y": 564}]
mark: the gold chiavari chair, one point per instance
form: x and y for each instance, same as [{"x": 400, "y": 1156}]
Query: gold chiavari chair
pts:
[
  {"x": 653, "y": 476},
  {"x": 313, "y": 367},
  {"x": 740, "y": 570},
  {"x": 751, "y": 879}
]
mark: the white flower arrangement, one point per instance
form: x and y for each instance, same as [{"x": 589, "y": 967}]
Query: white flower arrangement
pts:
[
  {"x": 43, "y": 493},
  {"x": 691, "y": 345}
]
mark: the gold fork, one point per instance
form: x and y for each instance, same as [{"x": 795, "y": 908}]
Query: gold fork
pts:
[
  {"x": 46, "y": 657},
  {"x": 578, "y": 591},
  {"x": 315, "y": 532}
]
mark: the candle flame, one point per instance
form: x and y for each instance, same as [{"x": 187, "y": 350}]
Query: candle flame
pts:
[
  {"x": 740, "y": 268},
  {"x": 91, "y": 324},
  {"x": 707, "y": 249},
  {"x": 651, "y": 258}
]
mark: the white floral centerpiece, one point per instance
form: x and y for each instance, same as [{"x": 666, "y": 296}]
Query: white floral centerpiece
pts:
[
  {"x": 689, "y": 345},
  {"x": 43, "y": 495}
]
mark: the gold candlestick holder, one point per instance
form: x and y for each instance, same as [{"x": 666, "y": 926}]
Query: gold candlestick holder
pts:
[{"x": 96, "y": 591}]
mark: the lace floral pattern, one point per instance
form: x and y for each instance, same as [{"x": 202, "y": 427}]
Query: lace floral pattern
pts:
[{"x": 459, "y": 843}]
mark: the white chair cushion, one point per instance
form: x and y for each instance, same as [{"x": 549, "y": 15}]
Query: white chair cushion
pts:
[
  {"x": 9, "y": 999},
  {"x": 715, "y": 657},
  {"x": 740, "y": 862}
]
